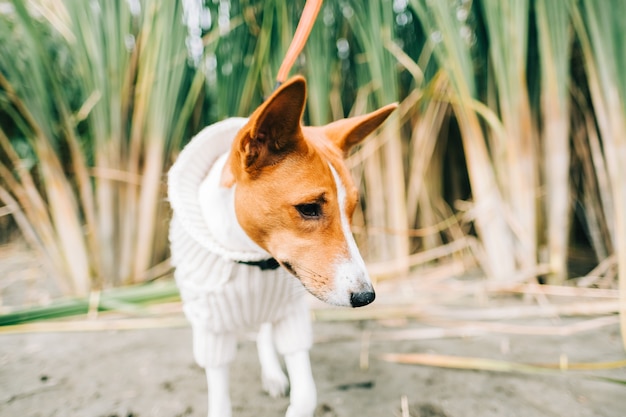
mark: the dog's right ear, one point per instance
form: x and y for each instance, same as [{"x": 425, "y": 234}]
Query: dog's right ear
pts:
[
  {"x": 346, "y": 133},
  {"x": 271, "y": 133}
]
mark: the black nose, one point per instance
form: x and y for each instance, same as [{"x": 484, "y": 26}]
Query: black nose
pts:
[{"x": 360, "y": 299}]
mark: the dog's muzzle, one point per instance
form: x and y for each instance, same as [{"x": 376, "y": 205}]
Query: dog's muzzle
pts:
[{"x": 360, "y": 299}]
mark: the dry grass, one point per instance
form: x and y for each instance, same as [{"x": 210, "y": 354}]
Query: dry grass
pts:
[{"x": 505, "y": 155}]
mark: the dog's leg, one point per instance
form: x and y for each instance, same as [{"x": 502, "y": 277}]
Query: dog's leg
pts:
[
  {"x": 199, "y": 344},
  {"x": 220, "y": 349},
  {"x": 293, "y": 336},
  {"x": 275, "y": 382},
  {"x": 219, "y": 395},
  {"x": 303, "y": 395}
]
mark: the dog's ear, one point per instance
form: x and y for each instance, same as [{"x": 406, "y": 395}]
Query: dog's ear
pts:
[
  {"x": 272, "y": 131},
  {"x": 346, "y": 133},
  {"x": 274, "y": 128}
]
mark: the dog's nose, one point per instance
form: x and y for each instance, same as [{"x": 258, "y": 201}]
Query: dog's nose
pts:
[{"x": 360, "y": 299}]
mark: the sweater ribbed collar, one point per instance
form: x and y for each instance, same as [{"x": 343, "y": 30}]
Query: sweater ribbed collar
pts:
[{"x": 184, "y": 179}]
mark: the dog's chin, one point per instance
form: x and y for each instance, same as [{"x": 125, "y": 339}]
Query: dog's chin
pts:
[
  {"x": 329, "y": 298},
  {"x": 324, "y": 296}
]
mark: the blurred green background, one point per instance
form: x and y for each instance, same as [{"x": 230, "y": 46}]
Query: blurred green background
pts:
[{"x": 506, "y": 156}]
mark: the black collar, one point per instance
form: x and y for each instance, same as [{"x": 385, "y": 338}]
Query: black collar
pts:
[{"x": 264, "y": 264}]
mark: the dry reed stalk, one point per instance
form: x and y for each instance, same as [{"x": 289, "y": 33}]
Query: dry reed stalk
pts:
[
  {"x": 102, "y": 68},
  {"x": 80, "y": 185},
  {"x": 381, "y": 311},
  {"x": 604, "y": 50},
  {"x": 377, "y": 247},
  {"x": 554, "y": 290},
  {"x": 37, "y": 223},
  {"x": 116, "y": 175},
  {"x": 583, "y": 308},
  {"x": 594, "y": 178},
  {"x": 602, "y": 269},
  {"x": 64, "y": 207},
  {"x": 425, "y": 231},
  {"x": 64, "y": 213},
  {"x": 438, "y": 280},
  {"x": 553, "y": 25},
  {"x": 149, "y": 196},
  {"x": 21, "y": 184},
  {"x": 602, "y": 197},
  {"x": 404, "y": 406},
  {"x": 423, "y": 280},
  {"x": 157, "y": 271},
  {"x": 394, "y": 192},
  {"x": 450, "y": 329},
  {"x": 423, "y": 140},
  {"x": 398, "y": 265},
  {"x": 506, "y": 23},
  {"x": 533, "y": 330},
  {"x": 384, "y": 173},
  {"x": 471, "y": 363},
  {"x": 95, "y": 325},
  {"x": 453, "y": 55},
  {"x": 490, "y": 221}
]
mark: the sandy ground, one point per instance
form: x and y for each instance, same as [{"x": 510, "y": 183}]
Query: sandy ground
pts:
[
  {"x": 150, "y": 372},
  {"x": 143, "y": 373}
]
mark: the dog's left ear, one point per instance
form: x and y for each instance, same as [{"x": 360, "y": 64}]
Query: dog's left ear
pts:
[
  {"x": 346, "y": 133},
  {"x": 274, "y": 128},
  {"x": 272, "y": 131}
]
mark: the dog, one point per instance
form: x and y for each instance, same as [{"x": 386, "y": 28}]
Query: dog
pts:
[{"x": 262, "y": 210}]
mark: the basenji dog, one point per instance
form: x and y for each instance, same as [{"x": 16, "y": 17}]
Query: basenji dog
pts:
[{"x": 262, "y": 209}]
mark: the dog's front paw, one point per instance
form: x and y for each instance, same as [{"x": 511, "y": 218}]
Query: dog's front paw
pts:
[{"x": 275, "y": 383}]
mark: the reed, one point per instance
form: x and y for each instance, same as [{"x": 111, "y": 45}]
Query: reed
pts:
[
  {"x": 602, "y": 44},
  {"x": 506, "y": 152},
  {"x": 40, "y": 109},
  {"x": 97, "y": 126},
  {"x": 384, "y": 171},
  {"x": 453, "y": 55},
  {"x": 555, "y": 43},
  {"x": 506, "y": 26}
]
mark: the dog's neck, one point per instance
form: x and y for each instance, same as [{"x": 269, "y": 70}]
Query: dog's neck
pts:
[{"x": 218, "y": 209}]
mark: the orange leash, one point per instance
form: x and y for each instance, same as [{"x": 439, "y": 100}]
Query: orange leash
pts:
[{"x": 307, "y": 20}]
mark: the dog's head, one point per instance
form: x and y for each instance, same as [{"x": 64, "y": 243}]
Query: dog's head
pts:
[{"x": 294, "y": 195}]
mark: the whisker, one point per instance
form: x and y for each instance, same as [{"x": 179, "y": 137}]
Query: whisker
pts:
[{"x": 312, "y": 273}]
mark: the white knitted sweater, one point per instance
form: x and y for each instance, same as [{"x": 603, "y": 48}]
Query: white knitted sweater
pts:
[{"x": 219, "y": 294}]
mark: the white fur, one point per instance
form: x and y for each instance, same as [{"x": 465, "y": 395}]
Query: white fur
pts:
[
  {"x": 303, "y": 394},
  {"x": 219, "y": 397},
  {"x": 274, "y": 380},
  {"x": 351, "y": 275}
]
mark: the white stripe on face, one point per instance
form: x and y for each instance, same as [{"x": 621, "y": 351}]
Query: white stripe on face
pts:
[{"x": 350, "y": 273}]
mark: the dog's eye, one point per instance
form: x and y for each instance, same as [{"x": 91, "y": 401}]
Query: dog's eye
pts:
[{"x": 309, "y": 211}]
